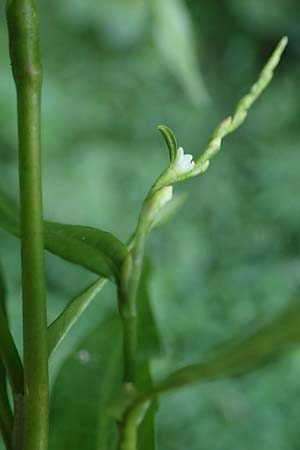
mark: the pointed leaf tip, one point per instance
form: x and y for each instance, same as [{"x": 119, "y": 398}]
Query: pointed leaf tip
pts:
[{"x": 170, "y": 140}]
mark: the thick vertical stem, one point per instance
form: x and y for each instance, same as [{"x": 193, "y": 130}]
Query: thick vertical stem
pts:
[{"x": 27, "y": 71}]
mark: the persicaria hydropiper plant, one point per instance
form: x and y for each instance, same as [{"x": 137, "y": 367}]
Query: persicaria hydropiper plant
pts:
[{"x": 132, "y": 404}]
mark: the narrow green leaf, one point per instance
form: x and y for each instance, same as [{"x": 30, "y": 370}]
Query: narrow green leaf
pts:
[
  {"x": 94, "y": 249},
  {"x": 6, "y": 417},
  {"x": 8, "y": 351},
  {"x": 10, "y": 356},
  {"x": 147, "y": 430},
  {"x": 169, "y": 210},
  {"x": 148, "y": 335},
  {"x": 170, "y": 141},
  {"x": 59, "y": 328},
  {"x": 149, "y": 346},
  {"x": 96, "y": 368},
  {"x": 173, "y": 33},
  {"x": 234, "y": 359},
  {"x": 9, "y": 215}
]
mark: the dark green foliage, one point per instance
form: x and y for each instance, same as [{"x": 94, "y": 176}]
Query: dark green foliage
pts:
[
  {"x": 98, "y": 361},
  {"x": 96, "y": 250},
  {"x": 230, "y": 260},
  {"x": 244, "y": 355}
]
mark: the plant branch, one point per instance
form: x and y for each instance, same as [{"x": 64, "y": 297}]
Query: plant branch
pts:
[{"x": 23, "y": 31}]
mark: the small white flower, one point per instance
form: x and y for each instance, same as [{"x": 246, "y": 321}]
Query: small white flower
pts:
[{"x": 183, "y": 163}]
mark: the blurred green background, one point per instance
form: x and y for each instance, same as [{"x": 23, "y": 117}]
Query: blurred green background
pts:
[{"x": 230, "y": 258}]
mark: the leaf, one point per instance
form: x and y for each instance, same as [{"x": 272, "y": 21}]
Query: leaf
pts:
[
  {"x": 170, "y": 141},
  {"x": 148, "y": 335},
  {"x": 174, "y": 36},
  {"x": 9, "y": 355},
  {"x": 6, "y": 417},
  {"x": 149, "y": 346},
  {"x": 147, "y": 429},
  {"x": 169, "y": 210},
  {"x": 235, "y": 359},
  {"x": 96, "y": 368},
  {"x": 86, "y": 383},
  {"x": 9, "y": 215},
  {"x": 94, "y": 249},
  {"x": 59, "y": 328}
]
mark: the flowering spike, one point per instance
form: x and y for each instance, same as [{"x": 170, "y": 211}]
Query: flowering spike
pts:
[
  {"x": 264, "y": 79},
  {"x": 241, "y": 111}
]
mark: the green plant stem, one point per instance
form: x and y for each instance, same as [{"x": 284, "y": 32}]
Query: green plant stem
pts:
[
  {"x": 133, "y": 416},
  {"x": 23, "y": 31},
  {"x": 128, "y": 310},
  {"x": 128, "y": 434},
  {"x": 129, "y": 303}
]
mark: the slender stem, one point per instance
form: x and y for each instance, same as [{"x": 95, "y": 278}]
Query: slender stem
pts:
[
  {"x": 23, "y": 30},
  {"x": 129, "y": 426},
  {"x": 128, "y": 304},
  {"x": 128, "y": 434},
  {"x": 128, "y": 296}
]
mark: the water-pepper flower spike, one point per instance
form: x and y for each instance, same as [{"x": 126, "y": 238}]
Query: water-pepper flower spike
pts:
[
  {"x": 183, "y": 163},
  {"x": 182, "y": 166}
]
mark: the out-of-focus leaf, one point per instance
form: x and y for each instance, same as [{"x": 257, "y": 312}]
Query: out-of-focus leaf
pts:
[
  {"x": 147, "y": 430},
  {"x": 96, "y": 368},
  {"x": 149, "y": 346},
  {"x": 265, "y": 18},
  {"x": 6, "y": 418},
  {"x": 119, "y": 23},
  {"x": 266, "y": 344},
  {"x": 86, "y": 383},
  {"x": 173, "y": 33},
  {"x": 169, "y": 210},
  {"x": 148, "y": 335},
  {"x": 9, "y": 215},
  {"x": 10, "y": 356},
  {"x": 8, "y": 351},
  {"x": 58, "y": 329},
  {"x": 94, "y": 249}
]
